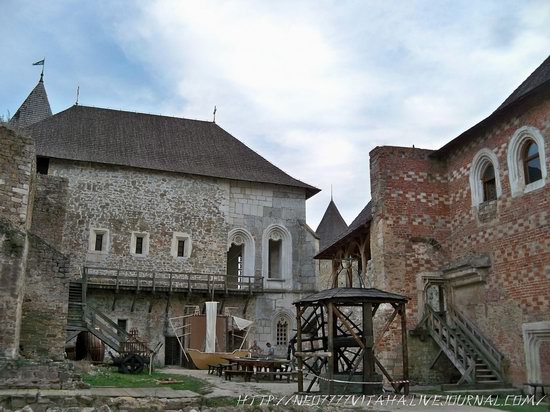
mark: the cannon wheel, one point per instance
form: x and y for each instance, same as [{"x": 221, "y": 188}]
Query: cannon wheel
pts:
[{"x": 132, "y": 364}]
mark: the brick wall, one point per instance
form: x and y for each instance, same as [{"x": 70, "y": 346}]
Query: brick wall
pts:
[
  {"x": 423, "y": 220},
  {"x": 515, "y": 237}
]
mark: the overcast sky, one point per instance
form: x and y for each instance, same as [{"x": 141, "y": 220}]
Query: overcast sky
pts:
[{"x": 313, "y": 86}]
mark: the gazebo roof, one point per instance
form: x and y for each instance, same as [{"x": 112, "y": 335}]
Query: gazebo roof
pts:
[{"x": 352, "y": 296}]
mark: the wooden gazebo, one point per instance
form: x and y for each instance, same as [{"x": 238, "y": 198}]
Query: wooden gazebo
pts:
[{"x": 336, "y": 344}]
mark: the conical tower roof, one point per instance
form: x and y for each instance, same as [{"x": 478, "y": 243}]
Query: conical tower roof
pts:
[
  {"x": 36, "y": 107},
  {"x": 332, "y": 224}
]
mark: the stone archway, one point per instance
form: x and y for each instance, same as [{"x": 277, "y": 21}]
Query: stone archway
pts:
[
  {"x": 533, "y": 335},
  {"x": 241, "y": 243}
]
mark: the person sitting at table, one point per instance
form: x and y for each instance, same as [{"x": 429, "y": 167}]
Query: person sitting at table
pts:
[
  {"x": 270, "y": 351},
  {"x": 255, "y": 350}
]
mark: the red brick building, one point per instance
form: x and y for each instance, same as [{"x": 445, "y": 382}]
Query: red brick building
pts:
[{"x": 465, "y": 231}]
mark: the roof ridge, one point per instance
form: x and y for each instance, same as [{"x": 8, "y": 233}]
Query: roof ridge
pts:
[{"x": 138, "y": 113}]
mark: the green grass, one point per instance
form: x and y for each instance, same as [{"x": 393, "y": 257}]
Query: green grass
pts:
[{"x": 112, "y": 378}]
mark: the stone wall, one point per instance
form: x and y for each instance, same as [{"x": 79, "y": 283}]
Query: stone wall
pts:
[
  {"x": 149, "y": 313},
  {"x": 13, "y": 252},
  {"x": 49, "y": 209},
  {"x": 45, "y": 305},
  {"x": 17, "y": 165},
  {"x": 17, "y": 162},
  {"x": 26, "y": 374}
]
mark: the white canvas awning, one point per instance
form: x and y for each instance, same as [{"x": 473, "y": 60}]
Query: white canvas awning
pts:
[{"x": 241, "y": 323}]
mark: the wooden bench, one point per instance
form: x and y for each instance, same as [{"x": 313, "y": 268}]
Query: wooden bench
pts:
[
  {"x": 233, "y": 372},
  {"x": 217, "y": 369},
  {"x": 535, "y": 386}
]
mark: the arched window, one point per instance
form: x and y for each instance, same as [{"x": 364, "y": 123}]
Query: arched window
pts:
[
  {"x": 489, "y": 183},
  {"x": 531, "y": 162},
  {"x": 281, "y": 329},
  {"x": 276, "y": 256},
  {"x": 240, "y": 257},
  {"x": 526, "y": 161},
  {"x": 484, "y": 177}
]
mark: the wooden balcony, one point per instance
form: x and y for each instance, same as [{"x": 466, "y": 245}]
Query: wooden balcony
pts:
[{"x": 169, "y": 282}]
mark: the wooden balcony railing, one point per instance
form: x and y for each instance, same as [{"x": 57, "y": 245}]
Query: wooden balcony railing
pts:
[{"x": 128, "y": 279}]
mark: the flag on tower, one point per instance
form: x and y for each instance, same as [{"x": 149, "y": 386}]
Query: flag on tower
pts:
[{"x": 39, "y": 63}]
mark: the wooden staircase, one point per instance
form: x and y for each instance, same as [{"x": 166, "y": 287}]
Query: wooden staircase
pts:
[
  {"x": 477, "y": 360},
  {"x": 83, "y": 317}
]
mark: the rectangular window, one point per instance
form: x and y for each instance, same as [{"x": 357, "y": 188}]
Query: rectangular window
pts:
[
  {"x": 181, "y": 245},
  {"x": 181, "y": 248},
  {"x": 122, "y": 324},
  {"x": 98, "y": 242},
  {"x": 139, "y": 245}
]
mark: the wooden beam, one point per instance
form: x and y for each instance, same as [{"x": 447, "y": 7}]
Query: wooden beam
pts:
[
  {"x": 348, "y": 327},
  {"x": 404, "y": 347},
  {"x": 331, "y": 331},
  {"x": 299, "y": 312},
  {"x": 386, "y": 327},
  {"x": 368, "y": 355}
]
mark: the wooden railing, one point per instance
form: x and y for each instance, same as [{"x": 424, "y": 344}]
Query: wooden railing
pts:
[
  {"x": 104, "y": 328},
  {"x": 450, "y": 342},
  {"x": 488, "y": 351},
  {"x": 170, "y": 281}
]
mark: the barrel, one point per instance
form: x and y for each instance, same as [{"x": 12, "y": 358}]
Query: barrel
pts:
[{"x": 90, "y": 347}]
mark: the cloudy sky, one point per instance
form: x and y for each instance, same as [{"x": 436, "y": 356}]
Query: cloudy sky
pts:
[{"x": 313, "y": 86}]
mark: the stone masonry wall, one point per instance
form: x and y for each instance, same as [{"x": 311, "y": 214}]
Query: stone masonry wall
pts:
[
  {"x": 125, "y": 200},
  {"x": 17, "y": 165},
  {"x": 17, "y": 162},
  {"x": 45, "y": 305},
  {"x": 49, "y": 209}
]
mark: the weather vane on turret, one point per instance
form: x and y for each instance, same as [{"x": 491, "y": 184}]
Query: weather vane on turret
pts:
[{"x": 41, "y": 63}]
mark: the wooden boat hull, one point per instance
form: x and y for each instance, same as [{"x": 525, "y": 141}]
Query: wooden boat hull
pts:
[{"x": 201, "y": 360}]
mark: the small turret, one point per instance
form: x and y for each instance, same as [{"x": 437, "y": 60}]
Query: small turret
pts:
[{"x": 35, "y": 108}]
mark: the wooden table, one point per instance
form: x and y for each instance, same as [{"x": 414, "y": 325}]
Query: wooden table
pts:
[{"x": 258, "y": 367}]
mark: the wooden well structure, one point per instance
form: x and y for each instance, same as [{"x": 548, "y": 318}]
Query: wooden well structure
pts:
[{"x": 336, "y": 343}]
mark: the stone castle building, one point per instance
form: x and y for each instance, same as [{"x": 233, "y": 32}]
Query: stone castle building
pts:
[
  {"x": 155, "y": 215},
  {"x": 464, "y": 232},
  {"x": 151, "y": 216}
]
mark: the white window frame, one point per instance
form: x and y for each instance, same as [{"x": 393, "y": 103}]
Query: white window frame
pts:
[
  {"x": 133, "y": 242},
  {"x": 176, "y": 237},
  {"x": 482, "y": 158},
  {"x": 516, "y": 171},
  {"x": 105, "y": 245}
]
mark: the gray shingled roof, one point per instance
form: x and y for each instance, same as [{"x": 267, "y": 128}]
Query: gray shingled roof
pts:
[
  {"x": 332, "y": 224},
  {"x": 154, "y": 142},
  {"x": 538, "y": 81},
  {"x": 36, "y": 107},
  {"x": 537, "y": 78},
  {"x": 352, "y": 295},
  {"x": 362, "y": 219}
]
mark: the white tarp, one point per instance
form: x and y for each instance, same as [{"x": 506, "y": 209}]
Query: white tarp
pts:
[
  {"x": 211, "y": 315},
  {"x": 241, "y": 323}
]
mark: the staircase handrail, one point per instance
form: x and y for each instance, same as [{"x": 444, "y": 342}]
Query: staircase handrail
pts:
[
  {"x": 483, "y": 344},
  {"x": 468, "y": 357}
]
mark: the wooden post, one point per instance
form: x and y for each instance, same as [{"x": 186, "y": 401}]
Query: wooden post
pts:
[
  {"x": 299, "y": 348},
  {"x": 404, "y": 348},
  {"x": 368, "y": 339},
  {"x": 331, "y": 360}
]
